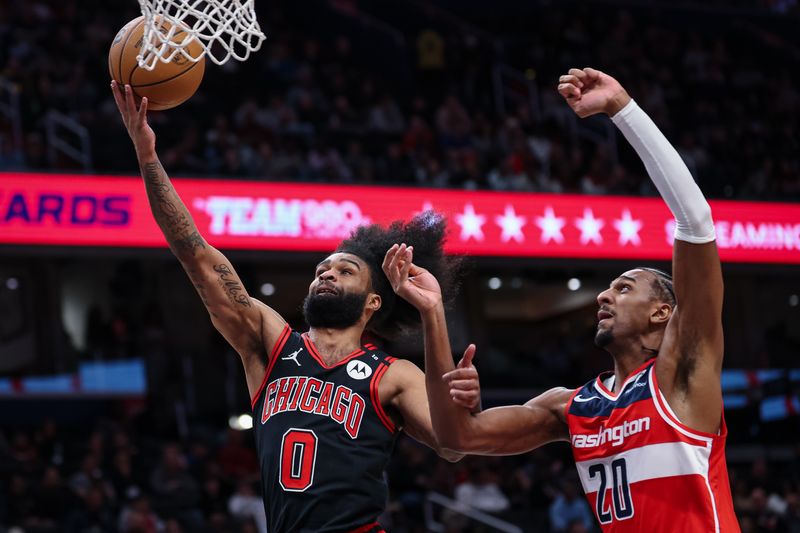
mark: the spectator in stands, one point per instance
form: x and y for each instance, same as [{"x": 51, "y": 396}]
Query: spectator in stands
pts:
[
  {"x": 397, "y": 167},
  {"x": 23, "y": 451},
  {"x": 245, "y": 504},
  {"x": 453, "y": 124},
  {"x": 766, "y": 511},
  {"x": 418, "y": 140},
  {"x": 52, "y": 501},
  {"x": 49, "y": 442},
  {"x": 409, "y": 477},
  {"x": 19, "y": 500},
  {"x": 523, "y": 490},
  {"x": 481, "y": 490},
  {"x": 326, "y": 164},
  {"x": 137, "y": 516},
  {"x": 570, "y": 508},
  {"x": 176, "y": 492},
  {"x": 213, "y": 497},
  {"x": 360, "y": 163},
  {"x": 433, "y": 174},
  {"x": 304, "y": 88},
  {"x": 793, "y": 512},
  {"x": 385, "y": 116},
  {"x": 123, "y": 477},
  {"x": 90, "y": 473},
  {"x": 235, "y": 458},
  {"x": 93, "y": 513}
]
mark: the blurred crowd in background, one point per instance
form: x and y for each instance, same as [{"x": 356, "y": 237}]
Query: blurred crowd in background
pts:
[
  {"x": 464, "y": 103},
  {"x": 115, "y": 478},
  {"x": 393, "y": 92}
]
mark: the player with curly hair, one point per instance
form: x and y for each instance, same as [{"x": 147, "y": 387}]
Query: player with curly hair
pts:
[{"x": 327, "y": 408}]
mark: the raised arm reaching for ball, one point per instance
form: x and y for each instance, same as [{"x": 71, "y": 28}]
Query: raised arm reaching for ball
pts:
[
  {"x": 322, "y": 397},
  {"x": 249, "y": 325},
  {"x": 648, "y": 437}
]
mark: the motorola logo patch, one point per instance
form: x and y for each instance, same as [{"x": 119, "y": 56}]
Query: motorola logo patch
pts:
[{"x": 358, "y": 370}]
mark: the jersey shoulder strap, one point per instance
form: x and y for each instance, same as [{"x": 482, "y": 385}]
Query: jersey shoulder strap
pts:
[
  {"x": 380, "y": 362},
  {"x": 287, "y": 339}
]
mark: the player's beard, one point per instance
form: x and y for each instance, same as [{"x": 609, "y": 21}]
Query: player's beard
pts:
[
  {"x": 604, "y": 337},
  {"x": 338, "y": 311}
]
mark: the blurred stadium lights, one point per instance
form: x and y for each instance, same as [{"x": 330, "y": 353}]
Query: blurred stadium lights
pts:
[
  {"x": 735, "y": 401},
  {"x": 780, "y": 407},
  {"x": 743, "y": 388},
  {"x": 12, "y": 284},
  {"x": 495, "y": 283},
  {"x": 122, "y": 378},
  {"x": 739, "y": 380},
  {"x": 241, "y": 423},
  {"x": 574, "y": 284},
  {"x": 267, "y": 289}
]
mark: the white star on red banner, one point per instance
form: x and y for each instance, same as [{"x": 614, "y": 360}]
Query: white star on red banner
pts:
[
  {"x": 628, "y": 229},
  {"x": 471, "y": 224},
  {"x": 590, "y": 227},
  {"x": 551, "y": 226},
  {"x": 511, "y": 225}
]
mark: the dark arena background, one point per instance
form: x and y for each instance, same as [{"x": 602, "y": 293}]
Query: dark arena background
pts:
[{"x": 122, "y": 409}]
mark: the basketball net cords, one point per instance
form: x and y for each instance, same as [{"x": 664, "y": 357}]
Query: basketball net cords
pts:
[{"x": 230, "y": 24}]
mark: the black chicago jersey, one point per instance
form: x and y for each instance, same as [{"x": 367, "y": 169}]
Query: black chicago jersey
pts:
[{"x": 323, "y": 438}]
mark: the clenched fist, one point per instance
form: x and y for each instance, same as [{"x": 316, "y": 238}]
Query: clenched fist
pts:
[{"x": 590, "y": 91}]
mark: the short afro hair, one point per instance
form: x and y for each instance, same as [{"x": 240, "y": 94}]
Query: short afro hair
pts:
[
  {"x": 661, "y": 285},
  {"x": 426, "y": 233}
]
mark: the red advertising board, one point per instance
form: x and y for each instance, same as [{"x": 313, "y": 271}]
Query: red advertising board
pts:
[{"x": 72, "y": 210}]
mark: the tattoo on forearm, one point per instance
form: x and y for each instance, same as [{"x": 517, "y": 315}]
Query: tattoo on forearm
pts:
[
  {"x": 233, "y": 289},
  {"x": 190, "y": 243},
  {"x": 172, "y": 216}
]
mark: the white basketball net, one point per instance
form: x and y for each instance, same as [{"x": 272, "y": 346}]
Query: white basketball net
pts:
[{"x": 223, "y": 28}]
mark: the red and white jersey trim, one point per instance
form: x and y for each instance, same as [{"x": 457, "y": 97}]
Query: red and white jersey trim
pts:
[
  {"x": 648, "y": 462},
  {"x": 667, "y": 414},
  {"x": 602, "y": 389}
]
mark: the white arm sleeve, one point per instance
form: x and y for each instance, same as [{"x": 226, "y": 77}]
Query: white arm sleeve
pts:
[{"x": 669, "y": 174}]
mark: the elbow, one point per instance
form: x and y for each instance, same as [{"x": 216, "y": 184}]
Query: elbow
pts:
[
  {"x": 451, "y": 456},
  {"x": 700, "y": 215},
  {"x": 456, "y": 436},
  {"x": 697, "y": 225},
  {"x": 453, "y": 444},
  {"x": 448, "y": 444}
]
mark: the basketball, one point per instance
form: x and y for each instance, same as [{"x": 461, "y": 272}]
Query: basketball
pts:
[{"x": 168, "y": 84}]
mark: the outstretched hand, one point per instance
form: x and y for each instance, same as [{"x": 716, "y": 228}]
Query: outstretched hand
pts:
[
  {"x": 465, "y": 387},
  {"x": 589, "y": 91},
  {"x": 142, "y": 135},
  {"x": 414, "y": 284}
]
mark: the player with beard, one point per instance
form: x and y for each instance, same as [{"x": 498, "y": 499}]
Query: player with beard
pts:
[
  {"x": 648, "y": 437},
  {"x": 327, "y": 408}
]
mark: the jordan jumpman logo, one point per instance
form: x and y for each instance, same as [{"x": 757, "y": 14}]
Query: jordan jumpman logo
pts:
[{"x": 293, "y": 356}]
